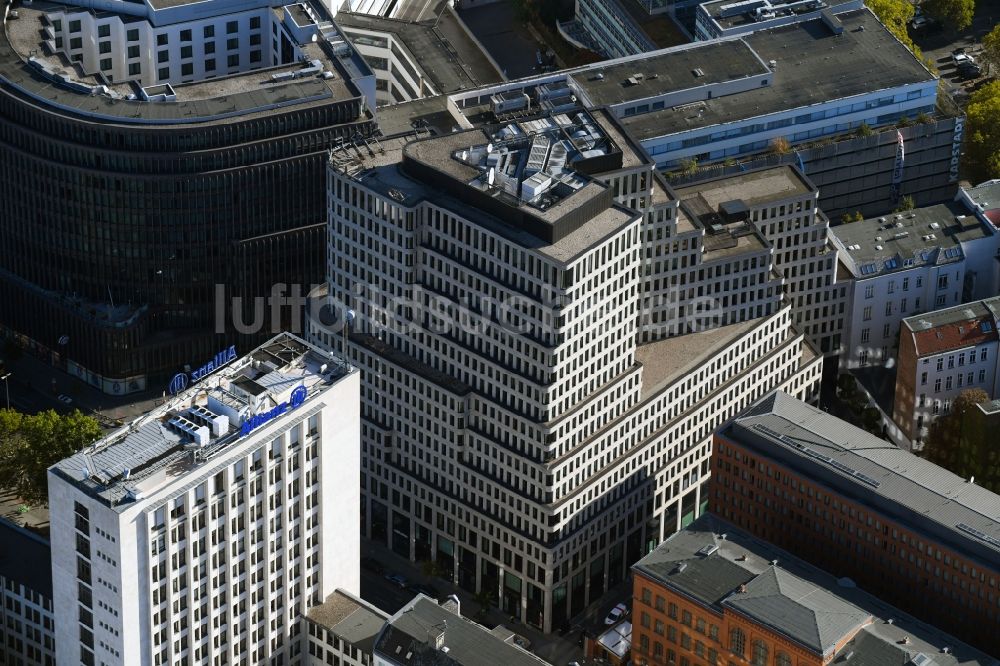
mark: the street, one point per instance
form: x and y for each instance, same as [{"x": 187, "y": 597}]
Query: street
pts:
[{"x": 938, "y": 47}]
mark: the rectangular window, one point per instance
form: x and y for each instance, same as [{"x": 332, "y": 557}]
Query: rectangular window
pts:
[
  {"x": 234, "y": 60},
  {"x": 186, "y": 51},
  {"x": 187, "y": 69},
  {"x": 867, "y": 313},
  {"x": 982, "y": 376},
  {"x": 185, "y": 35},
  {"x": 133, "y": 52},
  {"x": 106, "y": 64},
  {"x": 232, "y": 43},
  {"x": 104, "y": 30},
  {"x": 937, "y": 385},
  {"x": 232, "y": 27},
  {"x": 254, "y": 22},
  {"x": 865, "y": 333},
  {"x": 870, "y": 291},
  {"x": 923, "y": 379},
  {"x": 133, "y": 69},
  {"x": 210, "y": 65},
  {"x": 255, "y": 39},
  {"x": 162, "y": 39},
  {"x": 163, "y": 56},
  {"x": 74, "y": 26},
  {"x": 209, "y": 47},
  {"x": 209, "y": 31},
  {"x": 76, "y": 43},
  {"x": 132, "y": 35},
  {"x": 255, "y": 56},
  {"x": 105, "y": 47}
]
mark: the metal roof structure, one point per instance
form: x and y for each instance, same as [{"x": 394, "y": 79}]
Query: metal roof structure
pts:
[
  {"x": 927, "y": 498},
  {"x": 423, "y": 633},
  {"x": 718, "y": 565}
]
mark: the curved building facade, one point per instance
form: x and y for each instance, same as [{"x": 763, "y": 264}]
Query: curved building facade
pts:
[{"x": 132, "y": 216}]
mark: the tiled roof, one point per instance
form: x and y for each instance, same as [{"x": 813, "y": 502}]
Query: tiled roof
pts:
[{"x": 954, "y": 328}]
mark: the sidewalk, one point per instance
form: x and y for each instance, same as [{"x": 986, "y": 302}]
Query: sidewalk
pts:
[
  {"x": 39, "y": 385},
  {"x": 555, "y": 649}
]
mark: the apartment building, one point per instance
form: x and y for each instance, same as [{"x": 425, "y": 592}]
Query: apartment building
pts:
[
  {"x": 425, "y": 632},
  {"x": 528, "y": 421},
  {"x": 941, "y": 354},
  {"x": 905, "y": 264},
  {"x": 910, "y": 532},
  {"x": 202, "y": 531},
  {"x": 714, "y": 594},
  {"x": 342, "y": 631},
  {"x": 27, "y": 623},
  {"x": 783, "y": 205}
]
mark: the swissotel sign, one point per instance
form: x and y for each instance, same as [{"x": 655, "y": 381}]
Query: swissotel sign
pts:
[
  {"x": 181, "y": 380},
  {"x": 257, "y": 420}
]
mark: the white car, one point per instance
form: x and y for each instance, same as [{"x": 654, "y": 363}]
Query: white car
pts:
[
  {"x": 617, "y": 613},
  {"x": 960, "y": 58}
]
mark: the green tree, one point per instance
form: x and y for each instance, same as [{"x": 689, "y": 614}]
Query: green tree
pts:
[
  {"x": 864, "y": 129},
  {"x": 905, "y": 204},
  {"x": 962, "y": 441},
  {"x": 991, "y": 49},
  {"x": 689, "y": 167},
  {"x": 895, "y": 15},
  {"x": 982, "y": 133},
  {"x": 30, "y": 444},
  {"x": 956, "y": 14}
]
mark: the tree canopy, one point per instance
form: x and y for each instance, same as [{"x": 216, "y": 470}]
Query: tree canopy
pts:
[
  {"x": 956, "y": 14},
  {"x": 991, "y": 49},
  {"x": 982, "y": 133},
  {"x": 30, "y": 444},
  {"x": 962, "y": 442},
  {"x": 894, "y": 15}
]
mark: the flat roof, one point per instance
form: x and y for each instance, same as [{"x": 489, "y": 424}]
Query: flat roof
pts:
[
  {"x": 667, "y": 360},
  {"x": 873, "y": 472},
  {"x": 723, "y": 567},
  {"x": 411, "y": 638},
  {"x": 671, "y": 70},
  {"x": 442, "y": 48},
  {"x": 237, "y": 96},
  {"x": 751, "y": 187},
  {"x": 780, "y": 7},
  {"x": 923, "y": 236},
  {"x": 350, "y": 619},
  {"x": 155, "y": 449},
  {"x": 25, "y": 558},
  {"x": 813, "y": 67}
]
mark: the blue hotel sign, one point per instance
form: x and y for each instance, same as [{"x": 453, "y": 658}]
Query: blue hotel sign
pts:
[
  {"x": 181, "y": 380},
  {"x": 257, "y": 420}
]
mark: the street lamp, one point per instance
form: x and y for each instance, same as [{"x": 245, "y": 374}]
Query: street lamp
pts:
[{"x": 6, "y": 386}]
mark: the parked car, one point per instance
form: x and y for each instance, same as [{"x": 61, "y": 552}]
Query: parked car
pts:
[
  {"x": 962, "y": 58},
  {"x": 616, "y": 613},
  {"x": 397, "y": 579},
  {"x": 970, "y": 71},
  {"x": 426, "y": 590},
  {"x": 373, "y": 565}
]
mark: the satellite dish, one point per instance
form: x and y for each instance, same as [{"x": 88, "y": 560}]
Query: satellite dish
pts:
[
  {"x": 489, "y": 148},
  {"x": 491, "y": 176}
]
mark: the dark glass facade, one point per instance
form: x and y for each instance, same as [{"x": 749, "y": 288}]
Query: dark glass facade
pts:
[{"x": 114, "y": 236}]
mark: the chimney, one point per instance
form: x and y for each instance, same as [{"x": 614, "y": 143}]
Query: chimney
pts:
[{"x": 743, "y": 589}]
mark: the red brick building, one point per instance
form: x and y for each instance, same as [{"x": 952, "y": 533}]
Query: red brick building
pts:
[
  {"x": 909, "y": 531},
  {"x": 714, "y": 595}
]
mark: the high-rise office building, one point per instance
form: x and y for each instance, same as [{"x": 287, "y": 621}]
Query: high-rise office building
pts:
[
  {"x": 547, "y": 338},
  {"x": 151, "y": 151},
  {"x": 201, "y": 532}
]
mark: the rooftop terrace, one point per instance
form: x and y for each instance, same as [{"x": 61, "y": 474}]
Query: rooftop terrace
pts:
[
  {"x": 204, "y": 420},
  {"x": 30, "y": 68}
]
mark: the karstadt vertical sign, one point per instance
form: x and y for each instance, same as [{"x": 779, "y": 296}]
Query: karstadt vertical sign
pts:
[{"x": 956, "y": 149}]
